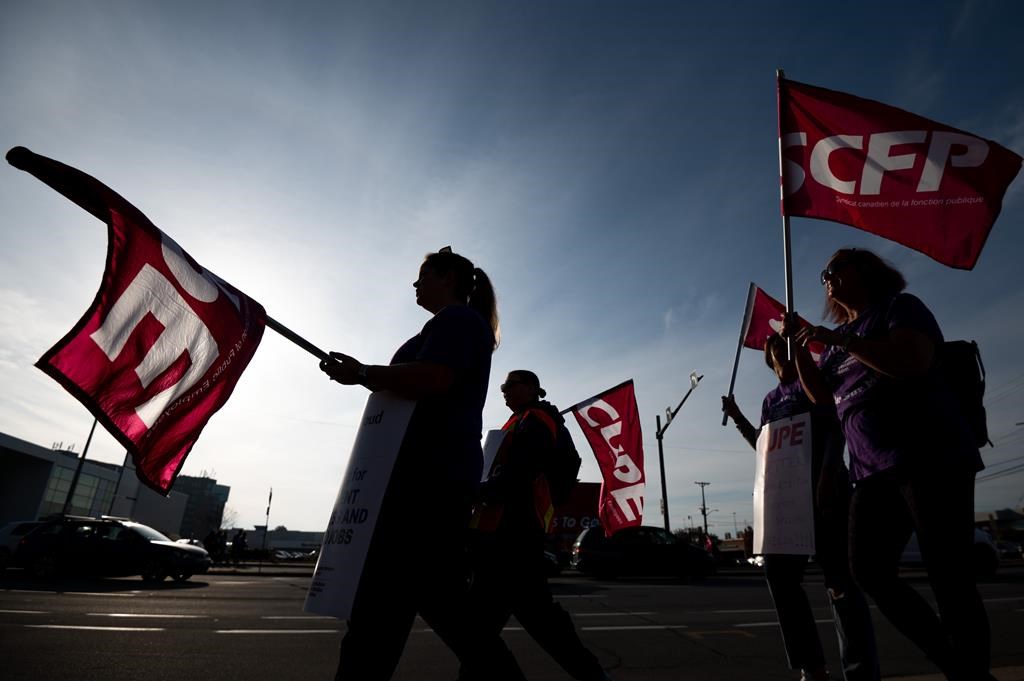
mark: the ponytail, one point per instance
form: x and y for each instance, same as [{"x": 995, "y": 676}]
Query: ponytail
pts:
[{"x": 471, "y": 285}]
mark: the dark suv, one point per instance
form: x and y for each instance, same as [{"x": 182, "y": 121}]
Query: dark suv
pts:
[
  {"x": 639, "y": 551},
  {"x": 107, "y": 547}
]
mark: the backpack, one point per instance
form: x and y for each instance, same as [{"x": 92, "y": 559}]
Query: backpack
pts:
[
  {"x": 959, "y": 363},
  {"x": 564, "y": 466}
]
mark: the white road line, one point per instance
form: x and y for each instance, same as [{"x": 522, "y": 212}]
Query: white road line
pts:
[
  {"x": 83, "y": 628},
  {"x": 277, "y": 631},
  {"x": 297, "y": 617},
  {"x": 130, "y": 594},
  {"x": 145, "y": 615},
  {"x": 740, "y": 612},
  {"x": 774, "y": 624},
  {"x": 612, "y": 614},
  {"x": 639, "y": 627},
  {"x": 25, "y": 612}
]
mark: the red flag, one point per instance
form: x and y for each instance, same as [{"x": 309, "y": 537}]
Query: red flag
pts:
[
  {"x": 163, "y": 343},
  {"x": 928, "y": 186},
  {"x": 611, "y": 424},
  {"x": 764, "y": 318}
]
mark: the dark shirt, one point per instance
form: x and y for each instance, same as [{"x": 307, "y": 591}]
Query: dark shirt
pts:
[{"x": 442, "y": 443}]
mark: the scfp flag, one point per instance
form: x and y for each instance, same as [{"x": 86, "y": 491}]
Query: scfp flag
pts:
[
  {"x": 930, "y": 187},
  {"x": 611, "y": 424},
  {"x": 163, "y": 343}
]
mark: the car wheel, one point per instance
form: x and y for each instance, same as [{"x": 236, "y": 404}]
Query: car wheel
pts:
[
  {"x": 43, "y": 567},
  {"x": 153, "y": 571},
  {"x": 182, "y": 577}
]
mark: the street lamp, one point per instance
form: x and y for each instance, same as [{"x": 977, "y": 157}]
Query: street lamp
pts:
[{"x": 660, "y": 434}]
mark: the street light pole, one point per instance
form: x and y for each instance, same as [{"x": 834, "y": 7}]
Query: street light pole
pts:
[{"x": 660, "y": 435}]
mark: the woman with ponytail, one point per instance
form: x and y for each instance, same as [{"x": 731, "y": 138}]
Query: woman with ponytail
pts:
[{"x": 416, "y": 563}]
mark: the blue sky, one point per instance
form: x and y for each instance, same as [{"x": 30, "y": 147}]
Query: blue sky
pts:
[{"x": 611, "y": 165}]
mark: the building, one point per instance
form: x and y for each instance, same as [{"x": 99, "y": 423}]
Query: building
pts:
[
  {"x": 34, "y": 483},
  {"x": 204, "y": 509}
]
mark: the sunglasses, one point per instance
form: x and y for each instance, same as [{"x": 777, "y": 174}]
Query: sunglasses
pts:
[{"x": 830, "y": 272}]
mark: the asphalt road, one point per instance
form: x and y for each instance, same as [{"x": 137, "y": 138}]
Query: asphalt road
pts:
[{"x": 251, "y": 627}]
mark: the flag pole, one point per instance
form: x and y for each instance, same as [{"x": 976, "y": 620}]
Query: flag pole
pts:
[
  {"x": 296, "y": 338},
  {"x": 787, "y": 249},
  {"x": 744, "y": 327}
]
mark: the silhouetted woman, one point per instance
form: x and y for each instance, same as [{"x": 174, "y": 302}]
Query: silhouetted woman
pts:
[
  {"x": 416, "y": 561},
  {"x": 912, "y": 456}
]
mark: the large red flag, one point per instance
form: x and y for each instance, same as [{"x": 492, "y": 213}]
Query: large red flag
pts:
[
  {"x": 923, "y": 184},
  {"x": 764, "y": 318},
  {"x": 611, "y": 423},
  {"x": 163, "y": 343}
]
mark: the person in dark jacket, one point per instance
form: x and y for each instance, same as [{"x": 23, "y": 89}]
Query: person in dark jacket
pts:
[
  {"x": 512, "y": 518},
  {"x": 830, "y": 489}
]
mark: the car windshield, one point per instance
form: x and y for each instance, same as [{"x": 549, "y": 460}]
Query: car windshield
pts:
[{"x": 149, "y": 533}]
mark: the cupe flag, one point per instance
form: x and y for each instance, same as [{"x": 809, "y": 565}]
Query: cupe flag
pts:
[
  {"x": 164, "y": 342},
  {"x": 928, "y": 186},
  {"x": 611, "y": 423}
]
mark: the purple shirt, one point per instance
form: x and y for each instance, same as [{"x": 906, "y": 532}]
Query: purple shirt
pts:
[
  {"x": 889, "y": 421},
  {"x": 787, "y": 400}
]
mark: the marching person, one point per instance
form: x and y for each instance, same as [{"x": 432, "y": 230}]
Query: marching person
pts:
[
  {"x": 912, "y": 456},
  {"x": 512, "y": 518},
  {"x": 445, "y": 368},
  {"x": 830, "y": 493}
]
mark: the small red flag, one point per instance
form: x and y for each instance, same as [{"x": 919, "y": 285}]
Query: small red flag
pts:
[
  {"x": 764, "y": 318},
  {"x": 163, "y": 343},
  {"x": 611, "y": 423},
  {"x": 928, "y": 186}
]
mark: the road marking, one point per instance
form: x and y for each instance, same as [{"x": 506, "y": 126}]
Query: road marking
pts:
[
  {"x": 612, "y": 614},
  {"x": 718, "y": 632},
  {"x": 72, "y": 593},
  {"x": 234, "y": 583},
  {"x": 638, "y": 627},
  {"x": 277, "y": 631},
  {"x": 144, "y": 615},
  {"x": 25, "y": 612},
  {"x": 775, "y": 624},
  {"x": 297, "y": 617},
  {"x": 84, "y": 628},
  {"x": 739, "y": 612}
]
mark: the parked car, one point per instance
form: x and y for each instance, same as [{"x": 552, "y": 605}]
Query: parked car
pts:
[
  {"x": 639, "y": 551},
  {"x": 10, "y": 535},
  {"x": 985, "y": 555},
  {"x": 1009, "y": 550},
  {"x": 107, "y": 547}
]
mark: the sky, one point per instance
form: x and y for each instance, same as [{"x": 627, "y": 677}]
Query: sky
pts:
[{"x": 611, "y": 165}]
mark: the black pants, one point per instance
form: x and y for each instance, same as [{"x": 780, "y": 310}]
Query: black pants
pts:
[
  {"x": 938, "y": 503},
  {"x": 419, "y": 567},
  {"x": 854, "y": 630},
  {"x": 509, "y": 579}
]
